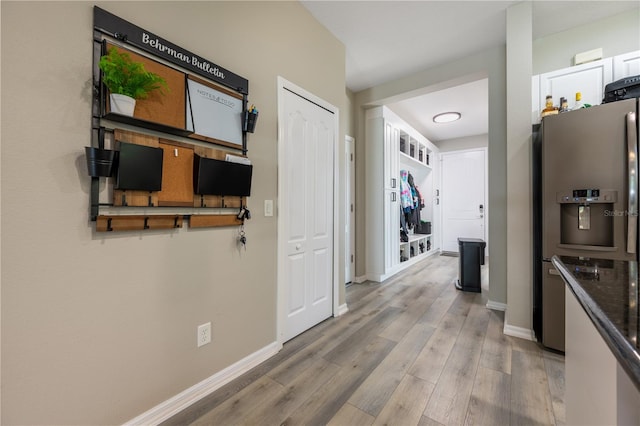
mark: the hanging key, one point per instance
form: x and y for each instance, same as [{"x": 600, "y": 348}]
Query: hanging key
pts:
[{"x": 242, "y": 239}]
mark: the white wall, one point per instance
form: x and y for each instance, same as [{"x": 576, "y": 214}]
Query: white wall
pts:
[
  {"x": 467, "y": 142},
  {"x": 98, "y": 328}
]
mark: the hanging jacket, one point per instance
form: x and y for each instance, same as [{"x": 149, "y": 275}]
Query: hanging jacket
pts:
[
  {"x": 414, "y": 192},
  {"x": 406, "y": 198}
]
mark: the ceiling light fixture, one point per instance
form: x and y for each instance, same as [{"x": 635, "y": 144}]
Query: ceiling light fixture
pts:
[{"x": 446, "y": 117}]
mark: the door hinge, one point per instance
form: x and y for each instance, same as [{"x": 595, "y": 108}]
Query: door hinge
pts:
[
  {"x": 351, "y": 258},
  {"x": 351, "y": 208},
  {"x": 351, "y": 157}
]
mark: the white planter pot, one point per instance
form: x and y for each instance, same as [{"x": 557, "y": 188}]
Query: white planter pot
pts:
[{"x": 122, "y": 104}]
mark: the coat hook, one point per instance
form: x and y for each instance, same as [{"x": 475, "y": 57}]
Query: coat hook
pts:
[
  {"x": 146, "y": 223},
  {"x": 109, "y": 228},
  {"x": 175, "y": 221}
]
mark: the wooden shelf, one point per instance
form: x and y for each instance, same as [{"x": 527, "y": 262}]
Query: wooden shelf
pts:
[
  {"x": 203, "y": 221},
  {"x": 137, "y": 222}
]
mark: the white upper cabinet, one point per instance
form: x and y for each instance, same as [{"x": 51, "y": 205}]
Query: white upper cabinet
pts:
[
  {"x": 626, "y": 65},
  {"x": 391, "y": 147},
  {"x": 588, "y": 79}
]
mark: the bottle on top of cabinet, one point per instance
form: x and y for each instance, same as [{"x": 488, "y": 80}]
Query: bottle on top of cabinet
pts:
[
  {"x": 564, "y": 105},
  {"x": 578, "y": 103},
  {"x": 549, "y": 109}
]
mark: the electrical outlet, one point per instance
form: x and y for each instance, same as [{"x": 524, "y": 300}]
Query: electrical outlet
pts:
[{"x": 204, "y": 334}]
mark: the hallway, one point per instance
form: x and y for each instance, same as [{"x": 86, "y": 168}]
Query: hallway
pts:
[{"x": 411, "y": 351}]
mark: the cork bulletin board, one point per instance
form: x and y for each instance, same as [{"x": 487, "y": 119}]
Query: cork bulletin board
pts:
[
  {"x": 194, "y": 107},
  {"x": 204, "y": 101},
  {"x": 202, "y": 107},
  {"x": 164, "y": 107}
]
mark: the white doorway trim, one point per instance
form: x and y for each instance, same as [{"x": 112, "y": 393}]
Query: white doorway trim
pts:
[
  {"x": 283, "y": 85},
  {"x": 349, "y": 208}
]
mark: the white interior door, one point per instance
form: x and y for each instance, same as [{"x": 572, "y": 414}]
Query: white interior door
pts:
[
  {"x": 306, "y": 173},
  {"x": 463, "y": 197},
  {"x": 350, "y": 215}
]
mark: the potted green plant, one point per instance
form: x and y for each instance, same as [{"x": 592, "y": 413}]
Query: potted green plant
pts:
[{"x": 127, "y": 81}]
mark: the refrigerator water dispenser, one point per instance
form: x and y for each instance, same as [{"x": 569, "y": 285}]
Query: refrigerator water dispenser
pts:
[{"x": 586, "y": 218}]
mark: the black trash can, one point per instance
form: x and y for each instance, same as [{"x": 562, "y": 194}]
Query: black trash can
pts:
[{"x": 471, "y": 257}]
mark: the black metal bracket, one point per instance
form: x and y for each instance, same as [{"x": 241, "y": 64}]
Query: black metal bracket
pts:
[{"x": 244, "y": 132}]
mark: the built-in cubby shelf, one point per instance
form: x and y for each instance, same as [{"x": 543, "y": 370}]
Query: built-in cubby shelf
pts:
[
  {"x": 417, "y": 246},
  {"x": 416, "y": 150},
  {"x": 397, "y": 146}
]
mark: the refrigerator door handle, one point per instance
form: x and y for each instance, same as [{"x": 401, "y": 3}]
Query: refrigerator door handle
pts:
[{"x": 632, "y": 162}]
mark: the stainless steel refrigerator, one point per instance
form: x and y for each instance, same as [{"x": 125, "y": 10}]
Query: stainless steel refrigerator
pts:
[{"x": 585, "y": 178}]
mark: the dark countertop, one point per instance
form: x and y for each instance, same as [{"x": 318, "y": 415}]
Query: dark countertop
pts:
[{"x": 608, "y": 292}]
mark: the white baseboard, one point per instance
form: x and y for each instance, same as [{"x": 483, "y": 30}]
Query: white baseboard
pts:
[
  {"x": 523, "y": 333},
  {"x": 174, "y": 405},
  {"x": 360, "y": 279},
  {"x": 342, "y": 309},
  {"x": 376, "y": 278},
  {"x": 496, "y": 306}
]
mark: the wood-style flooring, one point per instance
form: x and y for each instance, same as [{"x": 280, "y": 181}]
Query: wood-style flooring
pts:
[{"x": 411, "y": 351}]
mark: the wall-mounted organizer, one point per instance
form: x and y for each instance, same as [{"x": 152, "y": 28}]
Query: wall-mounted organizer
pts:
[{"x": 181, "y": 155}]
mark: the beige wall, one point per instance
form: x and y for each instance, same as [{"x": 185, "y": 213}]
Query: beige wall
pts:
[
  {"x": 615, "y": 35},
  {"x": 486, "y": 64},
  {"x": 98, "y": 328},
  {"x": 467, "y": 142},
  {"x": 519, "y": 208}
]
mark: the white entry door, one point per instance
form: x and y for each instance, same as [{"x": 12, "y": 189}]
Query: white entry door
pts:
[
  {"x": 463, "y": 197},
  {"x": 306, "y": 194}
]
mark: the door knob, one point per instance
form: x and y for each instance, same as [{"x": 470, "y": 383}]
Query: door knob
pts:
[{"x": 298, "y": 246}]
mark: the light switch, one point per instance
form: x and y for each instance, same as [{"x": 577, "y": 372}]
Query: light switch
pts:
[{"x": 268, "y": 207}]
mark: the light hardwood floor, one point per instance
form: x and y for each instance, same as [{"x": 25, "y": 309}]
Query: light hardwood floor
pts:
[{"x": 411, "y": 351}]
